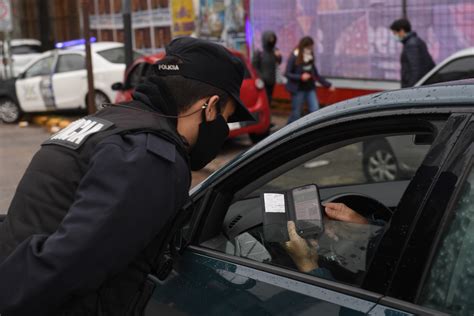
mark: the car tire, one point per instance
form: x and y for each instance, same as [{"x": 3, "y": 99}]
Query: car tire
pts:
[
  {"x": 100, "y": 99},
  {"x": 379, "y": 162},
  {"x": 255, "y": 138},
  {"x": 10, "y": 112}
]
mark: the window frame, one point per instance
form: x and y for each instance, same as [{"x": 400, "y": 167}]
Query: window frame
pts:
[
  {"x": 428, "y": 80},
  {"x": 218, "y": 190},
  {"x": 414, "y": 265}
]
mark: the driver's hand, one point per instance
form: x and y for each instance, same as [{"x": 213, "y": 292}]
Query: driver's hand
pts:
[
  {"x": 341, "y": 212},
  {"x": 302, "y": 252}
]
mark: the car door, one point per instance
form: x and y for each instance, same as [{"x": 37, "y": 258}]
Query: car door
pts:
[
  {"x": 436, "y": 266},
  {"x": 230, "y": 269},
  {"x": 70, "y": 81},
  {"x": 34, "y": 87}
]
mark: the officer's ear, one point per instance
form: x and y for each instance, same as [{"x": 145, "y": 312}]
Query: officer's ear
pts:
[{"x": 212, "y": 108}]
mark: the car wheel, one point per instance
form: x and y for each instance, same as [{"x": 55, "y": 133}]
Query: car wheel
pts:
[
  {"x": 9, "y": 111},
  {"x": 379, "y": 162},
  {"x": 255, "y": 138},
  {"x": 99, "y": 99}
]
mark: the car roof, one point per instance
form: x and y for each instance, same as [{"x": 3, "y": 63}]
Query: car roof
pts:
[
  {"x": 460, "y": 93},
  {"x": 464, "y": 52},
  {"x": 459, "y": 54},
  {"x": 151, "y": 59},
  {"x": 436, "y": 96},
  {"x": 25, "y": 41}
]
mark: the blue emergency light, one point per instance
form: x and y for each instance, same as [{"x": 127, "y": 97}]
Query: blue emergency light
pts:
[{"x": 81, "y": 41}]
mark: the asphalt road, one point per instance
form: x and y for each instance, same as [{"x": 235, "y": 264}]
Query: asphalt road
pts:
[{"x": 17, "y": 147}]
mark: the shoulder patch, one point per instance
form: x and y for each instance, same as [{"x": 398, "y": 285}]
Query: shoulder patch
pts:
[
  {"x": 76, "y": 133},
  {"x": 161, "y": 147}
]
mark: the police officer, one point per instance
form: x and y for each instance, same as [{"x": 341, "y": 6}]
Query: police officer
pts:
[{"x": 80, "y": 234}]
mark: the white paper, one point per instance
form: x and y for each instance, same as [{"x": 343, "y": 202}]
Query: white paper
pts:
[{"x": 274, "y": 202}]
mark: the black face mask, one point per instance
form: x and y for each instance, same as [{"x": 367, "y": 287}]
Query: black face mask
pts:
[{"x": 211, "y": 137}]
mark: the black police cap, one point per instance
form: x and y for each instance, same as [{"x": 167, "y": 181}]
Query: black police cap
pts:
[{"x": 210, "y": 63}]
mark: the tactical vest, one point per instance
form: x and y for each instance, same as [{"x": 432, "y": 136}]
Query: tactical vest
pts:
[{"x": 47, "y": 190}]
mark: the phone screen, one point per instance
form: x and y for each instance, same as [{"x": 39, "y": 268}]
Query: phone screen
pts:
[{"x": 307, "y": 204}]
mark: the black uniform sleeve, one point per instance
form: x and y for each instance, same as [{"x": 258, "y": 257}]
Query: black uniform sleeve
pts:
[{"x": 131, "y": 188}]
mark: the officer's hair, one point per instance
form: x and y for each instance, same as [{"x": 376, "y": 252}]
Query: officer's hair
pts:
[
  {"x": 187, "y": 92},
  {"x": 401, "y": 24}
]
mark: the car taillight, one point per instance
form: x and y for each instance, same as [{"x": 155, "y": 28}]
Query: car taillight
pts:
[{"x": 259, "y": 84}]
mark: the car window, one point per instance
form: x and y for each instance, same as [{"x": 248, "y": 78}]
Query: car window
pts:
[
  {"x": 43, "y": 67},
  {"x": 71, "y": 62},
  {"x": 450, "y": 283},
  {"x": 137, "y": 75},
  {"x": 25, "y": 49},
  {"x": 117, "y": 55},
  {"x": 344, "y": 249},
  {"x": 376, "y": 159},
  {"x": 458, "y": 69}
]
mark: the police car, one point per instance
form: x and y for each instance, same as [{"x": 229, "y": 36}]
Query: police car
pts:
[{"x": 57, "y": 80}]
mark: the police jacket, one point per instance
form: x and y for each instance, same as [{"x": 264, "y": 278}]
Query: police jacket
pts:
[
  {"x": 78, "y": 237},
  {"x": 415, "y": 60}
]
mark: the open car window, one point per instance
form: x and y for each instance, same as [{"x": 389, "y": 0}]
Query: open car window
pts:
[{"x": 369, "y": 175}]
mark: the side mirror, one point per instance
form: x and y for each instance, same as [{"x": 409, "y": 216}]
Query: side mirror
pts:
[{"x": 117, "y": 86}]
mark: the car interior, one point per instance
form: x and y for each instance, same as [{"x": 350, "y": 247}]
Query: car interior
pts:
[{"x": 242, "y": 232}]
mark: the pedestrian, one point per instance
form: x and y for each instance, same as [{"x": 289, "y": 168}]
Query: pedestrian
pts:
[
  {"x": 415, "y": 59},
  {"x": 266, "y": 62},
  {"x": 81, "y": 233},
  {"x": 302, "y": 75}
]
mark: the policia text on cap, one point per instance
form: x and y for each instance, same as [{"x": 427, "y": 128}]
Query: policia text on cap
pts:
[{"x": 77, "y": 236}]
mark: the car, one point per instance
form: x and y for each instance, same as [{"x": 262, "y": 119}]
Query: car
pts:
[
  {"x": 252, "y": 94},
  {"x": 384, "y": 161},
  {"x": 57, "y": 80},
  {"x": 420, "y": 259},
  {"x": 23, "y": 51},
  {"x": 458, "y": 66}
]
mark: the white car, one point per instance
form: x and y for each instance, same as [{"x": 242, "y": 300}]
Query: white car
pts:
[
  {"x": 57, "y": 80},
  {"x": 23, "y": 51},
  {"x": 458, "y": 66}
]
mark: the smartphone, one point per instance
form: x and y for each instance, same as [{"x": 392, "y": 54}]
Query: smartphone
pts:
[{"x": 307, "y": 210}]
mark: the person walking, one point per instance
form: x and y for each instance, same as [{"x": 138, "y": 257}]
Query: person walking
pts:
[
  {"x": 302, "y": 75},
  {"x": 415, "y": 59},
  {"x": 266, "y": 62},
  {"x": 87, "y": 222}
]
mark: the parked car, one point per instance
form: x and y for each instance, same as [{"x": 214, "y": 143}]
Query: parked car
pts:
[
  {"x": 252, "y": 93},
  {"x": 385, "y": 161},
  {"x": 458, "y": 66},
  {"x": 23, "y": 51},
  {"x": 421, "y": 261},
  {"x": 57, "y": 80}
]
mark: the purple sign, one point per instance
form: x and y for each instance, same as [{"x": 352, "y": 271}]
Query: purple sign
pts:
[{"x": 352, "y": 38}]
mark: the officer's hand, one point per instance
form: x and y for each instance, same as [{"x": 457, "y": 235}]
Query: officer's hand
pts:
[
  {"x": 341, "y": 212},
  {"x": 302, "y": 252}
]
